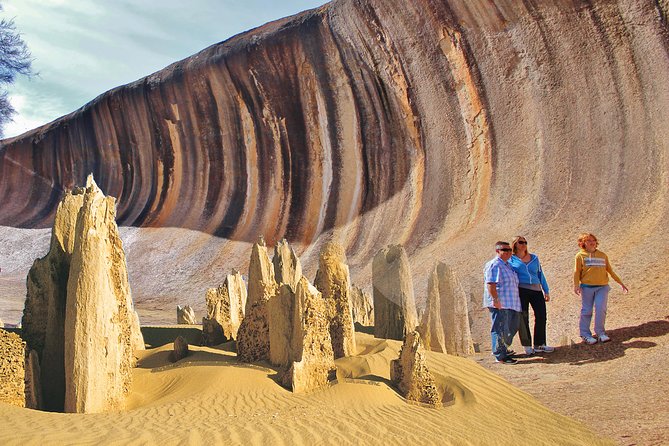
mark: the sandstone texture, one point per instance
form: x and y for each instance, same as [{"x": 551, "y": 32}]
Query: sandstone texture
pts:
[
  {"x": 431, "y": 327},
  {"x": 410, "y": 374},
  {"x": 361, "y": 303},
  {"x": 461, "y": 98},
  {"x": 439, "y": 125},
  {"x": 253, "y": 334},
  {"x": 287, "y": 266},
  {"x": 225, "y": 310},
  {"x": 333, "y": 280},
  {"x": 185, "y": 315},
  {"x": 454, "y": 312},
  {"x": 300, "y": 341},
  {"x": 394, "y": 304},
  {"x": 445, "y": 323},
  {"x": 99, "y": 319},
  {"x": 44, "y": 312},
  {"x": 180, "y": 350},
  {"x": 33, "y": 381},
  {"x": 12, "y": 369}
]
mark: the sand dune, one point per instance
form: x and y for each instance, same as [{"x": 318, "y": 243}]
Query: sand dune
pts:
[{"x": 210, "y": 398}]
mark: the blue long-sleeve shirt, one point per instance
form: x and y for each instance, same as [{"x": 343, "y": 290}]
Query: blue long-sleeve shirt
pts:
[{"x": 529, "y": 272}]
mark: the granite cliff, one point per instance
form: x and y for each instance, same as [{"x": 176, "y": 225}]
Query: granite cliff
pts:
[{"x": 441, "y": 125}]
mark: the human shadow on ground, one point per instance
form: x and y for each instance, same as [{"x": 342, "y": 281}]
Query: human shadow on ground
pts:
[{"x": 621, "y": 340}]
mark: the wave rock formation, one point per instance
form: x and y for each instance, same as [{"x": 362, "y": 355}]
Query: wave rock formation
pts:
[{"x": 435, "y": 124}]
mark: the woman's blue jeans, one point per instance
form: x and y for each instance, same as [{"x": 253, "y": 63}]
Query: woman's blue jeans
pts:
[
  {"x": 504, "y": 328},
  {"x": 598, "y": 297}
]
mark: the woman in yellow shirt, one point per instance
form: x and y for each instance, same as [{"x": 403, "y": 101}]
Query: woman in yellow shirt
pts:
[{"x": 591, "y": 282}]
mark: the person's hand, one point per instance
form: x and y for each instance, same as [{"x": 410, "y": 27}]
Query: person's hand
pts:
[
  {"x": 547, "y": 297},
  {"x": 497, "y": 303},
  {"x": 577, "y": 290},
  {"x": 625, "y": 290}
]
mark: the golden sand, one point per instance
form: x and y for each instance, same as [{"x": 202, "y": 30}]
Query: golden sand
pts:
[{"x": 211, "y": 398}]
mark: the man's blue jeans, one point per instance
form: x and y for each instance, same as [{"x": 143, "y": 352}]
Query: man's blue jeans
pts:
[{"x": 504, "y": 328}]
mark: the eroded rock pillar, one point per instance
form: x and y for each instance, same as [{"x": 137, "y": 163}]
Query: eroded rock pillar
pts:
[{"x": 394, "y": 303}]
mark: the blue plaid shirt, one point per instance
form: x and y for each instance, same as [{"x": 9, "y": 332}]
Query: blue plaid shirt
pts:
[{"x": 500, "y": 272}]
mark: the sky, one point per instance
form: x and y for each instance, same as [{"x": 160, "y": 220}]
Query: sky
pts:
[{"x": 82, "y": 48}]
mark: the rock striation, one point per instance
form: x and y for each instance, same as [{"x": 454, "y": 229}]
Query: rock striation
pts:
[
  {"x": 409, "y": 373},
  {"x": 333, "y": 280},
  {"x": 363, "y": 310},
  {"x": 299, "y": 164},
  {"x": 225, "y": 310},
  {"x": 253, "y": 334},
  {"x": 300, "y": 341},
  {"x": 394, "y": 304},
  {"x": 101, "y": 327},
  {"x": 408, "y": 125},
  {"x": 185, "y": 315}
]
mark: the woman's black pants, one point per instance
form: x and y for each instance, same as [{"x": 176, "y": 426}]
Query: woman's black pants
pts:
[{"x": 536, "y": 299}]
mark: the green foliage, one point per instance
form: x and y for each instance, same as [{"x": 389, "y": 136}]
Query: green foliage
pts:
[{"x": 15, "y": 60}]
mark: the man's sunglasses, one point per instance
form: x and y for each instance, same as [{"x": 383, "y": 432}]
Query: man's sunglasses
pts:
[
  {"x": 505, "y": 249},
  {"x": 521, "y": 242}
]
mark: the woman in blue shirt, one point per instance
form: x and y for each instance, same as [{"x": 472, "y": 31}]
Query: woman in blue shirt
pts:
[{"x": 533, "y": 291}]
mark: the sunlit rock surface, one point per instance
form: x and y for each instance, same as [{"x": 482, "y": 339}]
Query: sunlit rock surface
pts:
[
  {"x": 225, "y": 310},
  {"x": 439, "y": 125},
  {"x": 394, "y": 302},
  {"x": 101, "y": 329},
  {"x": 253, "y": 333}
]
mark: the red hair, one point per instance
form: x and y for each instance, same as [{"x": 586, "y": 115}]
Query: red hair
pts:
[{"x": 583, "y": 237}]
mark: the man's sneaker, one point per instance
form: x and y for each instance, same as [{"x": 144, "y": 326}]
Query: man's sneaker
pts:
[
  {"x": 589, "y": 340},
  {"x": 529, "y": 351},
  {"x": 510, "y": 352},
  {"x": 604, "y": 338},
  {"x": 544, "y": 349},
  {"x": 507, "y": 360}
]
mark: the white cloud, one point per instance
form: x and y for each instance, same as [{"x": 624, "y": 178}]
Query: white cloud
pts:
[{"x": 83, "y": 48}]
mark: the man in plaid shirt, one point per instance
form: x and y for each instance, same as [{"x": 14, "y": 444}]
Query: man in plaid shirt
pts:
[{"x": 500, "y": 296}]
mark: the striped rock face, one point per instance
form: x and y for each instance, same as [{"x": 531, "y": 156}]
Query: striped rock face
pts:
[{"x": 438, "y": 125}]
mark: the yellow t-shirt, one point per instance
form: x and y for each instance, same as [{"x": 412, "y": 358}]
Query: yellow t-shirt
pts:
[{"x": 593, "y": 269}]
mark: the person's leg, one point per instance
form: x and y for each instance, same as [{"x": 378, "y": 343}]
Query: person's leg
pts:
[
  {"x": 601, "y": 301},
  {"x": 524, "y": 324},
  {"x": 539, "y": 308},
  {"x": 497, "y": 333},
  {"x": 513, "y": 322},
  {"x": 587, "y": 301}
]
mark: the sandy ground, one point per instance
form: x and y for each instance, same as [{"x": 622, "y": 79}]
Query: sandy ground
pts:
[
  {"x": 617, "y": 389},
  {"x": 211, "y": 398}
]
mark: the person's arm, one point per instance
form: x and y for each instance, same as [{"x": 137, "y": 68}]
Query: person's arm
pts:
[
  {"x": 492, "y": 289},
  {"x": 578, "y": 267},
  {"x": 544, "y": 283},
  {"x": 614, "y": 276}
]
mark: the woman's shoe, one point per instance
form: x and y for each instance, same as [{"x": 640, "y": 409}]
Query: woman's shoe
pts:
[
  {"x": 544, "y": 349},
  {"x": 529, "y": 351},
  {"x": 589, "y": 340},
  {"x": 604, "y": 338}
]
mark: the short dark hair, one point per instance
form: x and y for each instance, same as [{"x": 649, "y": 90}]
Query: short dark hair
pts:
[{"x": 500, "y": 245}]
